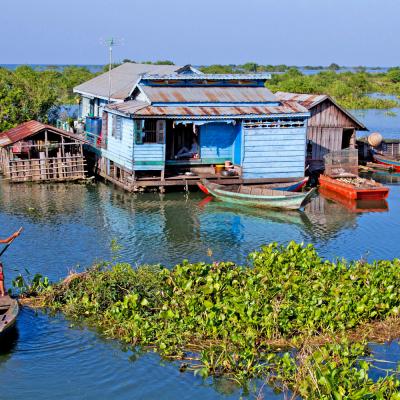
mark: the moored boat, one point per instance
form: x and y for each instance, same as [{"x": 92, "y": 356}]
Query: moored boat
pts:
[
  {"x": 294, "y": 186},
  {"x": 353, "y": 187},
  {"x": 255, "y": 196},
  {"x": 9, "y": 310},
  {"x": 386, "y": 160}
]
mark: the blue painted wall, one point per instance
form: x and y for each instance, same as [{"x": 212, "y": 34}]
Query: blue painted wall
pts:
[
  {"x": 274, "y": 153},
  {"x": 149, "y": 156},
  {"x": 216, "y": 142},
  {"x": 237, "y": 146},
  {"x": 120, "y": 150}
]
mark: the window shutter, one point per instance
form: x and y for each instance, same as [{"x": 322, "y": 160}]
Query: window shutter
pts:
[
  {"x": 118, "y": 126},
  {"x": 138, "y": 125},
  {"x": 114, "y": 126},
  {"x": 160, "y": 131},
  {"x": 104, "y": 129}
]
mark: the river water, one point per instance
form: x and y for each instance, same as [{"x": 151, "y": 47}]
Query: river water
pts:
[{"x": 70, "y": 226}]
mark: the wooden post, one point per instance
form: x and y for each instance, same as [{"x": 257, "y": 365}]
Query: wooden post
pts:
[
  {"x": 46, "y": 149},
  {"x": 42, "y": 157}
]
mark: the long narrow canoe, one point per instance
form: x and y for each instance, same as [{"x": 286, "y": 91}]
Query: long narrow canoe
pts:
[
  {"x": 294, "y": 186},
  {"x": 255, "y": 196},
  {"x": 8, "y": 313},
  {"x": 386, "y": 160}
]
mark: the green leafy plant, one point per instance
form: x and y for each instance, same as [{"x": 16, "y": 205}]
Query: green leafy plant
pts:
[{"x": 225, "y": 319}]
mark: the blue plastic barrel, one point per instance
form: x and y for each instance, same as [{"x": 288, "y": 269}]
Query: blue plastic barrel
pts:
[
  {"x": 96, "y": 126},
  {"x": 88, "y": 124}
]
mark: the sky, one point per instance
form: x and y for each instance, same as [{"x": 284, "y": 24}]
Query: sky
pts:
[{"x": 293, "y": 32}]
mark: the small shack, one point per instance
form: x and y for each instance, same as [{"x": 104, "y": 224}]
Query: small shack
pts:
[
  {"x": 38, "y": 152},
  {"x": 330, "y": 126}
]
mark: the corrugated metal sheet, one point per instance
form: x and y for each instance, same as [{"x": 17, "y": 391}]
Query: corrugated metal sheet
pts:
[
  {"x": 319, "y": 116},
  {"x": 208, "y": 94},
  {"x": 307, "y": 100},
  {"x": 213, "y": 77},
  {"x": 30, "y": 128},
  {"x": 141, "y": 109},
  {"x": 123, "y": 78}
]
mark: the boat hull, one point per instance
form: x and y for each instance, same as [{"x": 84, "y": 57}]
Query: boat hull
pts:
[
  {"x": 9, "y": 312},
  {"x": 352, "y": 192},
  {"x": 294, "y": 201},
  {"x": 295, "y": 186},
  {"x": 395, "y": 164}
]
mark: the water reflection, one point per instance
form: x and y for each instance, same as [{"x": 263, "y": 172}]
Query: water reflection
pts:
[
  {"x": 357, "y": 206},
  {"x": 8, "y": 344}
]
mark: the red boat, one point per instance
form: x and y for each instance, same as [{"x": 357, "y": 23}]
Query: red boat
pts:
[
  {"x": 386, "y": 160},
  {"x": 355, "y": 188}
]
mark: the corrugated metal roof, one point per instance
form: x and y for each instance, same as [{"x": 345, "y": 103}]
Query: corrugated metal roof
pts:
[
  {"x": 164, "y": 76},
  {"x": 208, "y": 94},
  {"x": 140, "y": 109},
  {"x": 30, "y": 128},
  {"x": 311, "y": 100},
  {"x": 307, "y": 100},
  {"x": 123, "y": 78}
]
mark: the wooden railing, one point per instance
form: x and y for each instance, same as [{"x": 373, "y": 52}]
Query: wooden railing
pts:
[{"x": 70, "y": 167}]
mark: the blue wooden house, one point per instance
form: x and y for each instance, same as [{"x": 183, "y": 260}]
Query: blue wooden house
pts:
[{"x": 176, "y": 127}]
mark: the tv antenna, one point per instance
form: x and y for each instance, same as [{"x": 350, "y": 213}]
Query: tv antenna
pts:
[{"x": 110, "y": 43}]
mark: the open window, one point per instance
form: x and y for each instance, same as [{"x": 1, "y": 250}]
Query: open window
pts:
[
  {"x": 182, "y": 141},
  {"x": 149, "y": 131}
]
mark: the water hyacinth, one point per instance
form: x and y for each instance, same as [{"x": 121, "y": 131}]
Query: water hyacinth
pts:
[{"x": 237, "y": 320}]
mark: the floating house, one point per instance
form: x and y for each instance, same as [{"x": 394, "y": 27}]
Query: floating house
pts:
[
  {"x": 117, "y": 86},
  {"x": 330, "y": 126},
  {"x": 38, "y": 152},
  {"x": 175, "y": 128}
]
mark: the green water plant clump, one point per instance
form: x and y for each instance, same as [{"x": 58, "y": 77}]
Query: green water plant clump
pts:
[{"x": 238, "y": 320}]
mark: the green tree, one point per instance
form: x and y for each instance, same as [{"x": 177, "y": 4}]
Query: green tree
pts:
[{"x": 394, "y": 75}]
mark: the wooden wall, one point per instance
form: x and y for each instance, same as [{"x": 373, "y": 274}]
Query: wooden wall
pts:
[
  {"x": 324, "y": 140},
  {"x": 327, "y": 115},
  {"x": 120, "y": 149},
  {"x": 149, "y": 156},
  {"x": 325, "y": 129},
  {"x": 274, "y": 153}
]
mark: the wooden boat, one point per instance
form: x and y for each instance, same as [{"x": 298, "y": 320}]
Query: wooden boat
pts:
[
  {"x": 386, "y": 160},
  {"x": 8, "y": 313},
  {"x": 294, "y": 186},
  {"x": 353, "y": 187},
  {"x": 255, "y": 196}
]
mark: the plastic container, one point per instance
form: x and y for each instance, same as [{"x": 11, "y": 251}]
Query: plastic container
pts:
[{"x": 219, "y": 168}]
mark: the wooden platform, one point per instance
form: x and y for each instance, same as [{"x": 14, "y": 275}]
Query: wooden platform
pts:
[{"x": 186, "y": 181}]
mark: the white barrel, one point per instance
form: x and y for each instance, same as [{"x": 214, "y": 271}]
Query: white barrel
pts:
[{"x": 375, "y": 139}]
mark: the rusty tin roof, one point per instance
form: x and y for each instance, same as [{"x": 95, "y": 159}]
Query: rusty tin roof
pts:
[
  {"x": 30, "y": 128},
  {"x": 311, "y": 100},
  {"x": 142, "y": 109},
  {"x": 209, "y": 94}
]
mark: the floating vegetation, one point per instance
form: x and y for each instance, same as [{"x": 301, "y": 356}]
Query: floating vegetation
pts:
[{"x": 290, "y": 317}]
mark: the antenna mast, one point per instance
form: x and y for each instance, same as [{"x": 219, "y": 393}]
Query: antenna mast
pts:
[{"x": 110, "y": 43}]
